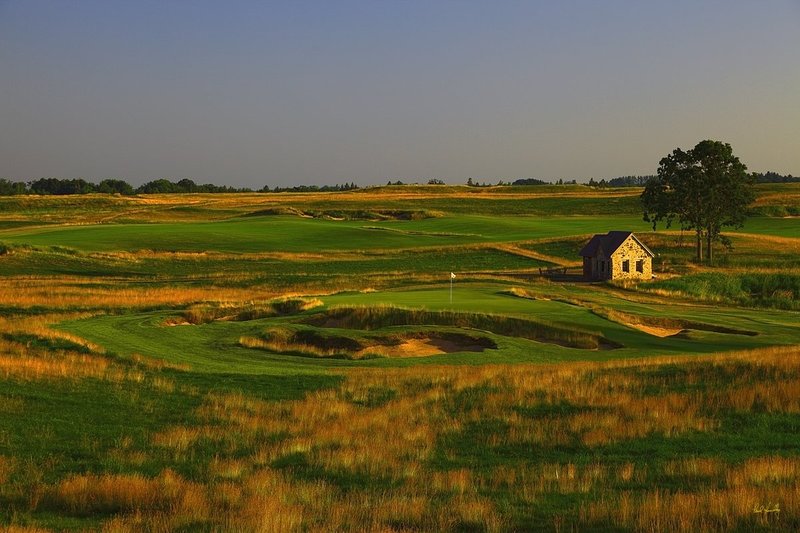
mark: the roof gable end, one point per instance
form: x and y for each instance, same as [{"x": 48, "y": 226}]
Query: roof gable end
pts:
[
  {"x": 630, "y": 236},
  {"x": 610, "y": 243},
  {"x": 591, "y": 248}
]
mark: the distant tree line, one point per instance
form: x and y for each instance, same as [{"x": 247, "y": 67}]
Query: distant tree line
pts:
[
  {"x": 530, "y": 181},
  {"x": 621, "y": 181},
  {"x": 183, "y": 186},
  {"x": 642, "y": 181},
  {"x": 774, "y": 177},
  {"x": 312, "y": 188},
  {"x": 67, "y": 186}
]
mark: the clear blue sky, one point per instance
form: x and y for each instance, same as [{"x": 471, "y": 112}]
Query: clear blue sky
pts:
[{"x": 327, "y": 91}]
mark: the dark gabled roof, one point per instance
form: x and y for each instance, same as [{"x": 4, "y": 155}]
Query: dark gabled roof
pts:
[{"x": 609, "y": 243}]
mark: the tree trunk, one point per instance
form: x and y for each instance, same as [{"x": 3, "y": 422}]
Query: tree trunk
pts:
[
  {"x": 699, "y": 246},
  {"x": 709, "y": 248}
]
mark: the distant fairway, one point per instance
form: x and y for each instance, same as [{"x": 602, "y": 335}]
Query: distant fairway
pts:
[{"x": 295, "y": 234}]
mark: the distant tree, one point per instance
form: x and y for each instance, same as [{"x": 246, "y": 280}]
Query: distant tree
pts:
[
  {"x": 186, "y": 185},
  {"x": 629, "y": 181},
  {"x": 8, "y": 187},
  {"x": 704, "y": 189},
  {"x": 44, "y": 186},
  {"x": 435, "y": 181},
  {"x": 114, "y": 186},
  {"x": 61, "y": 186},
  {"x": 158, "y": 186},
  {"x": 774, "y": 177},
  {"x": 530, "y": 181}
]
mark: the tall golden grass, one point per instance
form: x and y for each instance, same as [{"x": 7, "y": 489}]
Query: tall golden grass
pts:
[
  {"x": 341, "y": 432},
  {"x": 283, "y": 345},
  {"x": 716, "y": 510},
  {"x": 6, "y": 468},
  {"x": 66, "y": 293},
  {"x": 251, "y": 310},
  {"x": 39, "y": 326},
  {"x": 23, "y": 529},
  {"x": 386, "y": 427},
  {"x": 23, "y": 360}
]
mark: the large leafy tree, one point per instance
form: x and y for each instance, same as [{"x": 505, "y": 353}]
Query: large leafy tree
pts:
[{"x": 704, "y": 189}]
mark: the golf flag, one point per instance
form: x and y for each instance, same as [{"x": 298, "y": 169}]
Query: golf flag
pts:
[{"x": 452, "y": 276}]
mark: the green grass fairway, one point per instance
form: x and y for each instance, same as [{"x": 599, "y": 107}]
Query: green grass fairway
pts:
[{"x": 295, "y": 234}]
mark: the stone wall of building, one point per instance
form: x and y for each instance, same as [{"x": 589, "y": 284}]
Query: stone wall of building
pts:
[{"x": 631, "y": 252}]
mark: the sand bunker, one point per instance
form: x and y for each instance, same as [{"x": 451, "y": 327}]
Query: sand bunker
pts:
[
  {"x": 409, "y": 348},
  {"x": 313, "y": 343},
  {"x": 424, "y": 347},
  {"x": 655, "y": 330}
]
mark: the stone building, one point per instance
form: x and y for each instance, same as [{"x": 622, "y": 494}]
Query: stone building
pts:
[{"x": 616, "y": 255}]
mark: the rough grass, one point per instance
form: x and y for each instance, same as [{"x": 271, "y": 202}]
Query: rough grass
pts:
[
  {"x": 205, "y": 313},
  {"x": 682, "y": 444},
  {"x": 775, "y": 290}
]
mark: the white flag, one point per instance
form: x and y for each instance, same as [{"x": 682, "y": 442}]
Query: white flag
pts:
[{"x": 452, "y": 276}]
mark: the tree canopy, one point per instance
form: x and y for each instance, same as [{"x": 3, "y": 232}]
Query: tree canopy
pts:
[{"x": 704, "y": 189}]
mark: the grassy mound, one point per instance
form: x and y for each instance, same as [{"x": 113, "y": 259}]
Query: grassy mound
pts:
[
  {"x": 376, "y": 317},
  {"x": 205, "y": 313},
  {"x": 665, "y": 323}
]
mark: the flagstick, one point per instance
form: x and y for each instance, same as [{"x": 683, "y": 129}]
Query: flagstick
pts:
[{"x": 451, "y": 290}]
